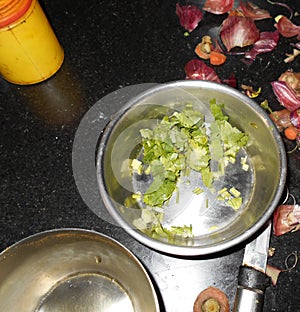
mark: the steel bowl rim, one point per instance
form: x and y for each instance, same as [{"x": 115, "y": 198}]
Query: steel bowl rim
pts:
[{"x": 33, "y": 236}]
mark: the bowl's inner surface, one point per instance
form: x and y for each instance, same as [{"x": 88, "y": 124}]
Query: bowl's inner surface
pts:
[
  {"x": 213, "y": 222},
  {"x": 73, "y": 270},
  {"x": 91, "y": 292}
]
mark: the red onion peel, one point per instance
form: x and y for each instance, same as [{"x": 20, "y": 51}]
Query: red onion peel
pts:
[
  {"x": 197, "y": 70},
  {"x": 286, "y": 96},
  {"x": 267, "y": 42},
  {"x": 189, "y": 16},
  {"x": 286, "y": 218},
  {"x": 251, "y": 10},
  {"x": 286, "y": 28},
  {"x": 238, "y": 31},
  {"x": 218, "y": 6}
]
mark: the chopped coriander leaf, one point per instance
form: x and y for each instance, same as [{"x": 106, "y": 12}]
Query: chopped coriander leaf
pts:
[
  {"x": 235, "y": 202},
  {"x": 161, "y": 195},
  {"x": 136, "y": 195},
  {"x": 169, "y": 234},
  {"x": 216, "y": 146},
  {"x": 231, "y": 197},
  {"x": 140, "y": 224},
  {"x": 136, "y": 165},
  {"x": 185, "y": 231},
  {"x": 216, "y": 110},
  {"x": 245, "y": 167},
  {"x": 224, "y": 194},
  {"x": 199, "y": 158},
  {"x": 207, "y": 177},
  {"x": 179, "y": 143},
  {"x": 148, "y": 215},
  {"x": 235, "y": 192},
  {"x": 157, "y": 169},
  {"x": 198, "y": 191}
]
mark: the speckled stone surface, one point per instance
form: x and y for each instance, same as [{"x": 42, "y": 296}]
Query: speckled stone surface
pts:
[{"x": 110, "y": 45}]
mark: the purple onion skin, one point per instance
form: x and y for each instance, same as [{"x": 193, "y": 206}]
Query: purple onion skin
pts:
[
  {"x": 295, "y": 118},
  {"x": 286, "y": 96}
]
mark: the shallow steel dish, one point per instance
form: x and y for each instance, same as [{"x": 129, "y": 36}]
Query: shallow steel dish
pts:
[
  {"x": 216, "y": 227},
  {"x": 73, "y": 270}
]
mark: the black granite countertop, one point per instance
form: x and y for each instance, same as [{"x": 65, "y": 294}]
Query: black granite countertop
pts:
[{"x": 110, "y": 45}]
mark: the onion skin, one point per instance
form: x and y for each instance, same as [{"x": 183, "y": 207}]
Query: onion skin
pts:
[
  {"x": 281, "y": 119},
  {"x": 211, "y": 293},
  {"x": 287, "y": 28},
  {"x": 230, "y": 81},
  {"x": 189, "y": 16},
  {"x": 238, "y": 31},
  {"x": 286, "y": 96},
  {"x": 267, "y": 42},
  {"x": 251, "y": 10},
  {"x": 296, "y": 45},
  {"x": 198, "y": 70},
  {"x": 286, "y": 218},
  {"x": 298, "y": 140},
  {"x": 292, "y": 79},
  {"x": 218, "y": 6},
  {"x": 295, "y": 118}
]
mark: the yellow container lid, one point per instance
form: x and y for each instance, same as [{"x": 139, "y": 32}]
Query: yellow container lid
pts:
[{"x": 12, "y": 10}]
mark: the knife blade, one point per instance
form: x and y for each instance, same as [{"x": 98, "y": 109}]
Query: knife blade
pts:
[{"x": 252, "y": 280}]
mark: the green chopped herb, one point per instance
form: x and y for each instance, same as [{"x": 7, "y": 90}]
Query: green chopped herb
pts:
[
  {"x": 140, "y": 224},
  {"x": 148, "y": 215},
  {"x": 223, "y": 194},
  {"x": 207, "y": 177},
  {"x": 137, "y": 196},
  {"x": 216, "y": 110},
  {"x": 265, "y": 105},
  {"x": 179, "y": 143},
  {"x": 198, "y": 191},
  {"x": 213, "y": 228},
  {"x": 245, "y": 167},
  {"x": 235, "y": 192},
  {"x": 136, "y": 165},
  {"x": 235, "y": 202},
  {"x": 170, "y": 235},
  {"x": 243, "y": 160}
]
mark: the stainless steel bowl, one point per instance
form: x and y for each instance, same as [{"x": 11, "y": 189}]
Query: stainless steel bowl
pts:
[
  {"x": 217, "y": 227},
  {"x": 73, "y": 270}
]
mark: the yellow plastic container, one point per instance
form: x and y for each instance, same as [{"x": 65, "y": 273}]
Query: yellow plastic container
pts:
[{"x": 29, "y": 49}]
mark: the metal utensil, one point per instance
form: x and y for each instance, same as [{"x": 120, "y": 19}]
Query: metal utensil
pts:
[
  {"x": 73, "y": 270},
  {"x": 215, "y": 225},
  {"x": 252, "y": 280}
]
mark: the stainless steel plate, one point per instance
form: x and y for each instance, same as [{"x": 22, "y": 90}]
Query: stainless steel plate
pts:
[{"x": 73, "y": 270}]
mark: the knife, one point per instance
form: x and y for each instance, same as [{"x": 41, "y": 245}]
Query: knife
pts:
[{"x": 252, "y": 280}]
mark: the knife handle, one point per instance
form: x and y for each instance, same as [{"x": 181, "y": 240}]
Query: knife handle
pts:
[{"x": 250, "y": 291}]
